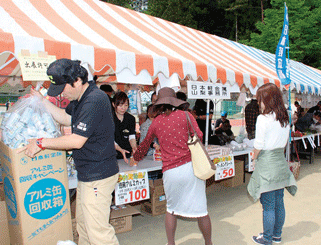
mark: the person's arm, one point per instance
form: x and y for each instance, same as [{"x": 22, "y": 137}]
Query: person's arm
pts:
[
  {"x": 218, "y": 124},
  {"x": 144, "y": 146},
  {"x": 203, "y": 117},
  {"x": 122, "y": 151},
  {"x": 66, "y": 142},
  {"x": 57, "y": 113},
  {"x": 259, "y": 136},
  {"x": 256, "y": 153},
  {"x": 132, "y": 134},
  {"x": 133, "y": 144},
  {"x": 229, "y": 124}
]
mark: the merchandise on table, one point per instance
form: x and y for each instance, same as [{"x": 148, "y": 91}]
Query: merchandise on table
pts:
[
  {"x": 157, "y": 155},
  {"x": 216, "y": 150},
  {"x": 27, "y": 119},
  {"x": 237, "y": 146}
]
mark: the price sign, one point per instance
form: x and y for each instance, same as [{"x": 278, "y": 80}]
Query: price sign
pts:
[
  {"x": 251, "y": 162},
  {"x": 132, "y": 187},
  {"x": 224, "y": 167}
]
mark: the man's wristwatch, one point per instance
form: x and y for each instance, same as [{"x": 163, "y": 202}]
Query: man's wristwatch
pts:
[{"x": 39, "y": 143}]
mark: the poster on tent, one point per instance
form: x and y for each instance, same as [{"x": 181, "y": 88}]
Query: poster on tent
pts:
[
  {"x": 224, "y": 167},
  {"x": 34, "y": 66},
  {"x": 132, "y": 187},
  {"x": 201, "y": 90}
]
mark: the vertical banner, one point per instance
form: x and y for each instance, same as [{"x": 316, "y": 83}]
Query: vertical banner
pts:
[{"x": 281, "y": 63}]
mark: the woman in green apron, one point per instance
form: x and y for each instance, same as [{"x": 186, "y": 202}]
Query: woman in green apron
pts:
[{"x": 271, "y": 174}]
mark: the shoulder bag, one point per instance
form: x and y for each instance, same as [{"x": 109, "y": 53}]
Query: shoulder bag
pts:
[{"x": 203, "y": 167}]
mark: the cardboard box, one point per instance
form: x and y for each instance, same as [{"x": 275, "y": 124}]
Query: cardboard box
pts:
[
  {"x": 37, "y": 196},
  {"x": 157, "y": 203},
  {"x": 4, "y": 230},
  {"x": 154, "y": 209},
  {"x": 1, "y": 180},
  {"x": 210, "y": 181},
  {"x": 121, "y": 219},
  {"x": 239, "y": 175}
]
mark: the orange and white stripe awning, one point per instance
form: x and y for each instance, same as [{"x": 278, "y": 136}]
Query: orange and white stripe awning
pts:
[{"x": 115, "y": 40}]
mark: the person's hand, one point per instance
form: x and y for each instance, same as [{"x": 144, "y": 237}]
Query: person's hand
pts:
[
  {"x": 133, "y": 162},
  {"x": 31, "y": 149},
  {"x": 123, "y": 152},
  {"x": 37, "y": 94},
  {"x": 156, "y": 146}
]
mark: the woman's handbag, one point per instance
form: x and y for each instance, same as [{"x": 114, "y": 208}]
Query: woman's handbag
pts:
[{"x": 203, "y": 167}]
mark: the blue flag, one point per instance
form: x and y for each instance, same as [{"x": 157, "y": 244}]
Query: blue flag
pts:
[{"x": 281, "y": 64}]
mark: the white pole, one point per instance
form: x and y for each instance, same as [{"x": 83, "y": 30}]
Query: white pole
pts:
[{"x": 207, "y": 121}]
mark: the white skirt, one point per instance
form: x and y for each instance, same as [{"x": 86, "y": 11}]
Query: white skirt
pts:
[{"x": 185, "y": 193}]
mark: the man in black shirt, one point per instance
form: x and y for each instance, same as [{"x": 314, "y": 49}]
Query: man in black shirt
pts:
[
  {"x": 304, "y": 123},
  {"x": 200, "y": 111},
  {"x": 92, "y": 141},
  {"x": 315, "y": 108},
  {"x": 251, "y": 113}
]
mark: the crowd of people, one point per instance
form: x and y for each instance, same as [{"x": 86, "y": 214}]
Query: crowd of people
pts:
[{"x": 103, "y": 130}]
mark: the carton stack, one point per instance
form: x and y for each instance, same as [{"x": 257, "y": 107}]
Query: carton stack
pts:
[
  {"x": 239, "y": 175},
  {"x": 121, "y": 218},
  {"x": 157, "y": 203}
]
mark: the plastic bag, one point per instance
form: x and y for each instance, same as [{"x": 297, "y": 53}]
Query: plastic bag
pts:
[
  {"x": 68, "y": 242},
  {"x": 27, "y": 119},
  {"x": 242, "y": 135}
]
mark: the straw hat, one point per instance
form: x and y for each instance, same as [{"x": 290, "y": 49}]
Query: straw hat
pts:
[{"x": 168, "y": 96}]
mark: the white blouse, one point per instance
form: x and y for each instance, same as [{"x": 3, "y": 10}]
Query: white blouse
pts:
[{"x": 269, "y": 134}]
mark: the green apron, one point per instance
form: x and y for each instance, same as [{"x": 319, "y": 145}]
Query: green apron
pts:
[{"x": 271, "y": 173}]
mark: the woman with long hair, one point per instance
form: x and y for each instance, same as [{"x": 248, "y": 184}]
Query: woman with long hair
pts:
[
  {"x": 185, "y": 193},
  {"x": 272, "y": 173}
]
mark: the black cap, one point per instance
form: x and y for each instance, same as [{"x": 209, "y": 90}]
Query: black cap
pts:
[
  {"x": 61, "y": 72},
  {"x": 106, "y": 88}
]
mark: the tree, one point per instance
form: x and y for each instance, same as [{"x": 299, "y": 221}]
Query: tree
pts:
[
  {"x": 304, "y": 30},
  {"x": 122, "y": 3},
  {"x": 204, "y": 15}
]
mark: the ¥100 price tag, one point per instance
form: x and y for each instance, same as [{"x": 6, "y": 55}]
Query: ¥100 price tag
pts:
[
  {"x": 224, "y": 167},
  {"x": 132, "y": 187}
]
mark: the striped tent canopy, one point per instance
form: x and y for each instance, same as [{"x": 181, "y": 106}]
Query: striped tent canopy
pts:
[{"x": 130, "y": 47}]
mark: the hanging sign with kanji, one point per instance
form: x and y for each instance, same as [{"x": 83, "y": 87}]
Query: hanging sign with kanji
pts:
[
  {"x": 202, "y": 90},
  {"x": 34, "y": 67}
]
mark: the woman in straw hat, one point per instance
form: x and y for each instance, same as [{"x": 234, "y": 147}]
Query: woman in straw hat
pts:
[{"x": 185, "y": 193}]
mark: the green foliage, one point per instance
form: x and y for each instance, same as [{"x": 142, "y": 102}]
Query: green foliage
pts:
[
  {"x": 122, "y": 3},
  {"x": 304, "y": 30},
  {"x": 204, "y": 15}
]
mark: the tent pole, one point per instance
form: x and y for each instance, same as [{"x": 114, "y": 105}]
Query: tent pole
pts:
[{"x": 207, "y": 121}]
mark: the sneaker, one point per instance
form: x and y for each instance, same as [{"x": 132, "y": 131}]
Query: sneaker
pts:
[
  {"x": 260, "y": 240},
  {"x": 274, "y": 239}
]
